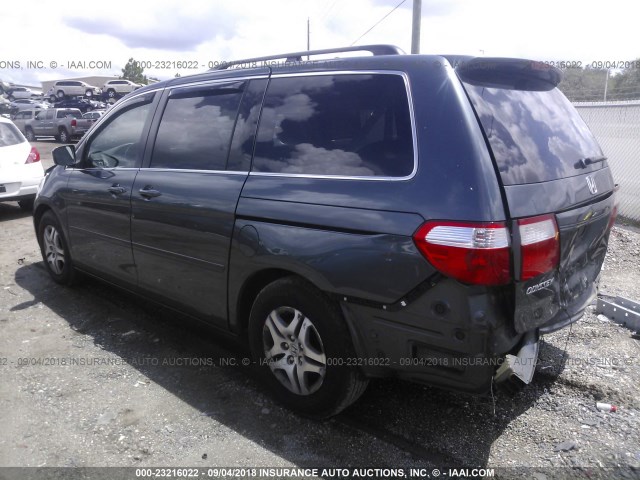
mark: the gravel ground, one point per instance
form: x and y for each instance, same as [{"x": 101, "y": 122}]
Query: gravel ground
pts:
[{"x": 146, "y": 399}]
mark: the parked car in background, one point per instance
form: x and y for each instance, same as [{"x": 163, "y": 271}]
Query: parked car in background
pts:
[
  {"x": 7, "y": 108},
  {"x": 72, "y": 88},
  {"x": 94, "y": 115},
  {"x": 24, "y": 103},
  {"x": 20, "y": 167},
  {"x": 63, "y": 124},
  {"x": 22, "y": 118},
  {"x": 81, "y": 104},
  {"x": 422, "y": 217},
  {"x": 21, "y": 92},
  {"x": 5, "y": 88},
  {"x": 112, "y": 88}
]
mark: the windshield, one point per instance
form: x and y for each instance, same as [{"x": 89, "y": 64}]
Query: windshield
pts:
[{"x": 535, "y": 135}]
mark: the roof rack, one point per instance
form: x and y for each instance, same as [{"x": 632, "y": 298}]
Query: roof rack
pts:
[{"x": 297, "y": 56}]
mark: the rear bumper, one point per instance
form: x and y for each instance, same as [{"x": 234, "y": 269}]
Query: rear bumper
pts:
[
  {"x": 20, "y": 190},
  {"x": 460, "y": 346},
  {"x": 570, "y": 314},
  {"x": 453, "y": 336}
]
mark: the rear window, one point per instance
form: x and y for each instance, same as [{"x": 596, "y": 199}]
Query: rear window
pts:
[
  {"x": 69, "y": 113},
  {"x": 355, "y": 125},
  {"x": 10, "y": 135},
  {"x": 536, "y": 134}
]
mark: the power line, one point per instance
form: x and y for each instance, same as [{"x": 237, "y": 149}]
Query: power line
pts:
[{"x": 378, "y": 22}]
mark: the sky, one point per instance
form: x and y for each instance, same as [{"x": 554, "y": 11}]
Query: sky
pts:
[{"x": 202, "y": 32}]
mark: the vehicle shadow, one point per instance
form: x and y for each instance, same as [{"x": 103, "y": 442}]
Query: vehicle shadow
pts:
[
  {"x": 416, "y": 425},
  {"x": 11, "y": 211}
]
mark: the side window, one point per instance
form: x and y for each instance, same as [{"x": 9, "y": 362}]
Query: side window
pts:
[
  {"x": 344, "y": 125},
  {"x": 196, "y": 127},
  {"x": 119, "y": 143},
  {"x": 244, "y": 134}
]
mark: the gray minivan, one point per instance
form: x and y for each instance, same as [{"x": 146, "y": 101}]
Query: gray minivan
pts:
[{"x": 418, "y": 216}]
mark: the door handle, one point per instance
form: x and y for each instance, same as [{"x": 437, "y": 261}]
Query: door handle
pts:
[
  {"x": 116, "y": 189},
  {"x": 149, "y": 192}
]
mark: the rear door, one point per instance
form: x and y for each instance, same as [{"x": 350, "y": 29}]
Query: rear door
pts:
[
  {"x": 556, "y": 182},
  {"x": 184, "y": 199}
]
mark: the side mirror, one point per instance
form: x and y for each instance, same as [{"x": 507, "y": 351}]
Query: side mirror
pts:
[{"x": 65, "y": 155}]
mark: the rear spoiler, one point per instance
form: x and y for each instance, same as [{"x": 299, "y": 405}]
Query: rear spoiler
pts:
[{"x": 512, "y": 73}]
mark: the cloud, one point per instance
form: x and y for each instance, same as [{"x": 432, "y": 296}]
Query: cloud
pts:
[
  {"x": 173, "y": 30},
  {"x": 311, "y": 160},
  {"x": 430, "y": 8}
]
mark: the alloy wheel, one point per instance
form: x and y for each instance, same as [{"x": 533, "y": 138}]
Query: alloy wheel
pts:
[
  {"x": 54, "y": 251},
  {"x": 294, "y": 350}
]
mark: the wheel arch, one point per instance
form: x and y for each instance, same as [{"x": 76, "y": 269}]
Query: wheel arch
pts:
[
  {"x": 39, "y": 212},
  {"x": 250, "y": 289}
]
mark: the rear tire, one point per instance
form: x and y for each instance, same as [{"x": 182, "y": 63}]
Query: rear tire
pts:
[
  {"x": 63, "y": 136},
  {"x": 29, "y": 135},
  {"x": 60, "y": 94},
  {"x": 88, "y": 94},
  {"x": 54, "y": 249},
  {"x": 298, "y": 338}
]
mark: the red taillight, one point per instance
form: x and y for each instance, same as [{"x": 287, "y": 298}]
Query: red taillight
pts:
[
  {"x": 34, "y": 156},
  {"x": 539, "y": 245},
  {"x": 476, "y": 253},
  {"x": 74, "y": 122}
]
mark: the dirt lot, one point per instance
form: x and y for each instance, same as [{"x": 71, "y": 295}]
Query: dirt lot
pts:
[{"x": 140, "y": 395}]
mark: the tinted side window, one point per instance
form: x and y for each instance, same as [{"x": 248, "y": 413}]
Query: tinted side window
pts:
[
  {"x": 119, "y": 142},
  {"x": 195, "y": 130},
  {"x": 346, "y": 125},
  {"x": 244, "y": 134}
]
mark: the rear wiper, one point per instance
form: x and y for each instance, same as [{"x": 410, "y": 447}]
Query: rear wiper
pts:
[{"x": 585, "y": 162}]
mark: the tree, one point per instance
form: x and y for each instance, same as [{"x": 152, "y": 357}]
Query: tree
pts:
[
  {"x": 588, "y": 84},
  {"x": 626, "y": 84},
  {"x": 133, "y": 71},
  {"x": 583, "y": 84}
]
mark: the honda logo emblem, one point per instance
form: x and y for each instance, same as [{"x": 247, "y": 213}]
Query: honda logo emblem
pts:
[{"x": 592, "y": 185}]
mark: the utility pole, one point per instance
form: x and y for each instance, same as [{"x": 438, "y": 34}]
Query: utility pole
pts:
[
  {"x": 308, "y": 36},
  {"x": 606, "y": 82},
  {"x": 415, "y": 27}
]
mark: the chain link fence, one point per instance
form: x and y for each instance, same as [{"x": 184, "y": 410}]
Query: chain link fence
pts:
[{"x": 616, "y": 125}]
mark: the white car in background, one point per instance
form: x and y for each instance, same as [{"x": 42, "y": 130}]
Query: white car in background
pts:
[
  {"x": 21, "y": 92},
  {"x": 119, "y": 87},
  {"x": 20, "y": 167}
]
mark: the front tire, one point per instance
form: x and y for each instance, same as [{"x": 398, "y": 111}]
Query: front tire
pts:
[
  {"x": 89, "y": 93},
  {"x": 29, "y": 135},
  {"x": 54, "y": 249},
  {"x": 63, "y": 136},
  {"x": 60, "y": 94},
  {"x": 300, "y": 341}
]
